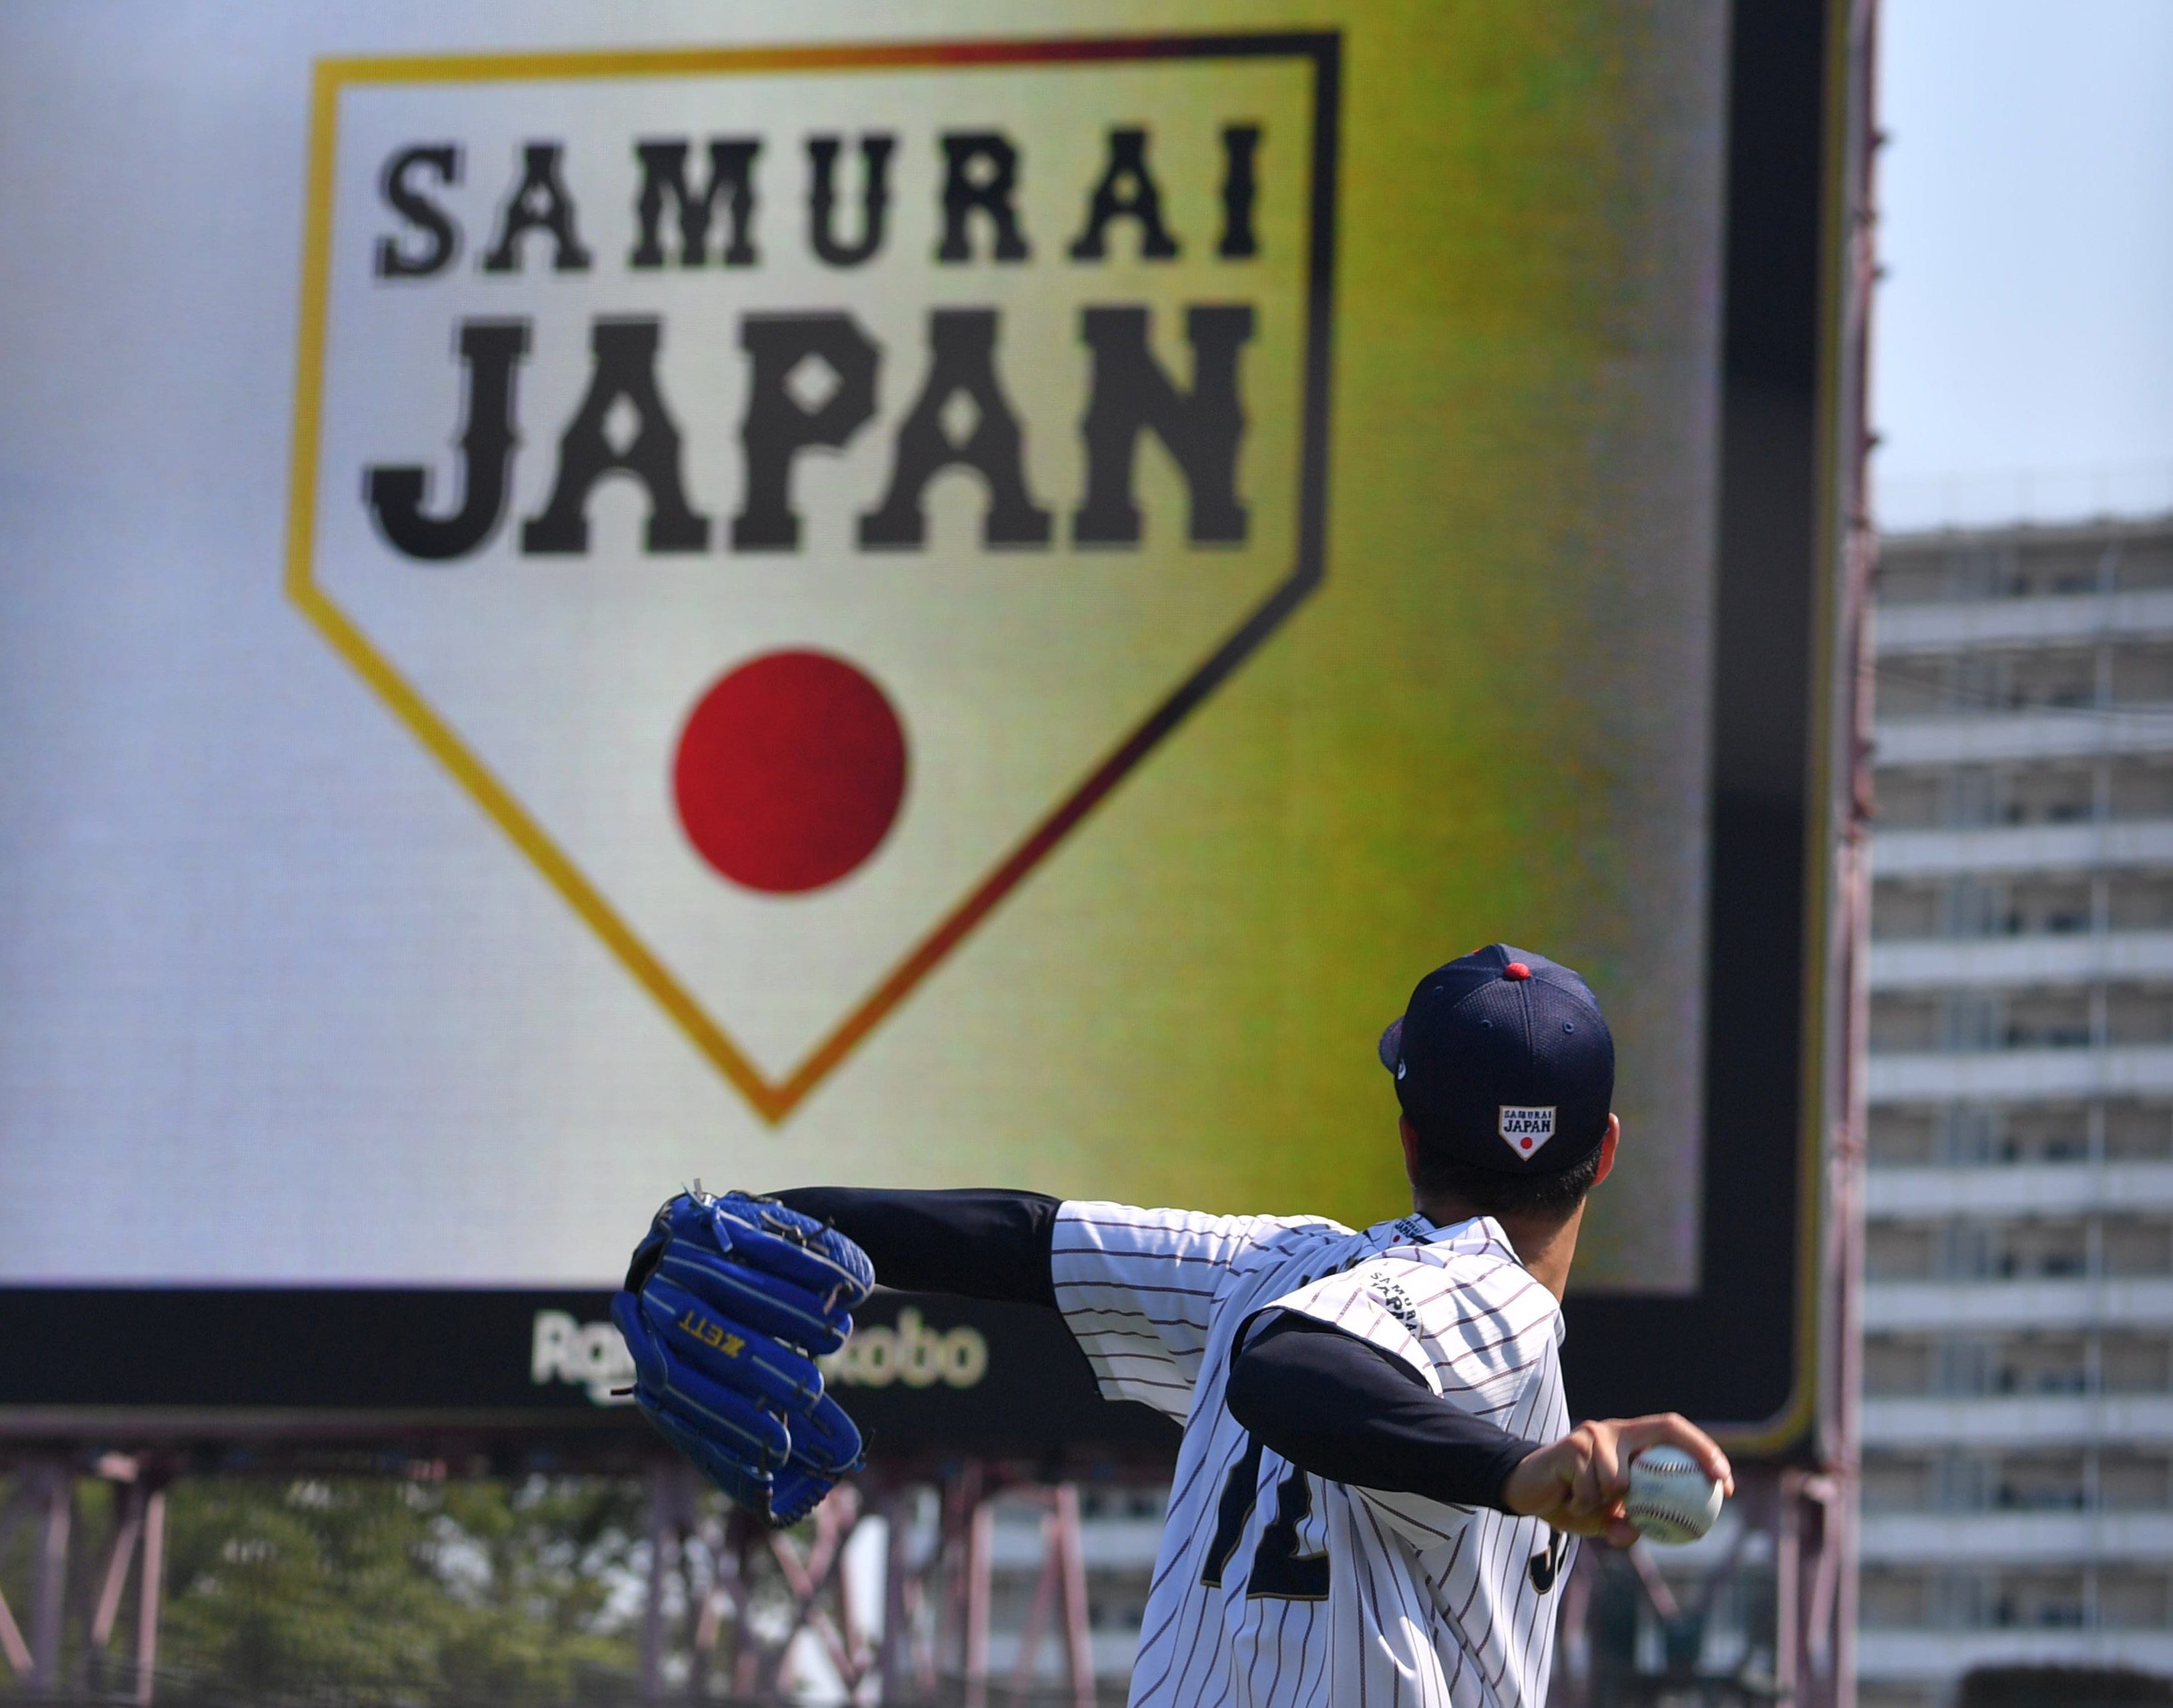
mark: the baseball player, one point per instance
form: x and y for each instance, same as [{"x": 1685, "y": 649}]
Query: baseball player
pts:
[{"x": 1377, "y": 1490}]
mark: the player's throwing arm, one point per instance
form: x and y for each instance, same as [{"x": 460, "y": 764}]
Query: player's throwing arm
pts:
[{"x": 1662, "y": 1478}]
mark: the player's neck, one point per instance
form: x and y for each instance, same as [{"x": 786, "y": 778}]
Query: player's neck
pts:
[{"x": 1543, "y": 1246}]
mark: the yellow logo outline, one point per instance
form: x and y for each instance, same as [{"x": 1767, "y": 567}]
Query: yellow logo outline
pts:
[{"x": 774, "y": 1100}]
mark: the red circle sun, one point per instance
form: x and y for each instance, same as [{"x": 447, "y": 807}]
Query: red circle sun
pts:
[{"x": 790, "y": 772}]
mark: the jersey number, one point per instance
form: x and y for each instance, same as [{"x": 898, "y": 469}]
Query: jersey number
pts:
[{"x": 1279, "y": 1572}]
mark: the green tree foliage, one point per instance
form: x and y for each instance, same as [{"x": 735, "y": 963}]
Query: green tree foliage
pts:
[{"x": 386, "y": 1591}]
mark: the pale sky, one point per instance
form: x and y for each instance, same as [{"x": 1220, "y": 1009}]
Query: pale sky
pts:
[{"x": 2022, "y": 350}]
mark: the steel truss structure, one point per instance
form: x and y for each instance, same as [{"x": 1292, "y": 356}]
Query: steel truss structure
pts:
[
  {"x": 729, "y": 1604},
  {"x": 728, "y": 1599},
  {"x": 135, "y": 1544}
]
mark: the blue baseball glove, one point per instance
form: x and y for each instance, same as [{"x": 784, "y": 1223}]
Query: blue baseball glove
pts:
[{"x": 728, "y": 1303}]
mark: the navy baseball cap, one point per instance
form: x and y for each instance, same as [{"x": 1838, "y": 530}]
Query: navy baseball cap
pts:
[{"x": 1503, "y": 1059}]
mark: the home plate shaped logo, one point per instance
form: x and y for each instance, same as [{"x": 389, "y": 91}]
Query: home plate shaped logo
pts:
[{"x": 788, "y": 488}]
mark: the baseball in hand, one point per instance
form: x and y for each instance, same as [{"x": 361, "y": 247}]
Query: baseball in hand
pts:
[{"x": 1670, "y": 1499}]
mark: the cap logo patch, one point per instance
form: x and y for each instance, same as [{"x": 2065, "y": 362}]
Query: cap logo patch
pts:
[{"x": 1525, "y": 1130}]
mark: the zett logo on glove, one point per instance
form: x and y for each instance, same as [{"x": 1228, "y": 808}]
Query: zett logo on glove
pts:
[{"x": 711, "y": 1334}]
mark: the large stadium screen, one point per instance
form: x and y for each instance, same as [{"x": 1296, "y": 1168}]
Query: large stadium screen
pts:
[{"x": 901, "y": 597}]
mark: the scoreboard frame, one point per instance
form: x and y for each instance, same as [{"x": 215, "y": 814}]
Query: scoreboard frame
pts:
[{"x": 1740, "y": 1354}]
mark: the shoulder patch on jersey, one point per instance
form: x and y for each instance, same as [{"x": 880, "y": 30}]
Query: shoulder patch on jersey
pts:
[{"x": 1526, "y": 1128}]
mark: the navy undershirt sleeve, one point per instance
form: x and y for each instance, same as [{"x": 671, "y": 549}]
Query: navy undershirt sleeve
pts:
[
  {"x": 1325, "y": 1400},
  {"x": 975, "y": 1243},
  {"x": 1343, "y": 1408}
]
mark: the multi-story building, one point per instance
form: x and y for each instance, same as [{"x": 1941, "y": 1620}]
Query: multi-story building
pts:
[{"x": 2018, "y": 1415}]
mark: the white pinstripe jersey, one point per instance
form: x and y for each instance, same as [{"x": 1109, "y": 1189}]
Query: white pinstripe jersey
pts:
[{"x": 1276, "y": 1589}]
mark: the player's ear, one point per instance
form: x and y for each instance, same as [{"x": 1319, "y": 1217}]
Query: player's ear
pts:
[
  {"x": 1607, "y": 1143},
  {"x": 1410, "y": 1135}
]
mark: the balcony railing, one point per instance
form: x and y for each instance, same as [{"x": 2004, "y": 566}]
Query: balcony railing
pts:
[
  {"x": 2018, "y": 1075},
  {"x": 2034, "y": 1419},
  {"x": 2079, "y": 956},
  {"x": 1934, "y": 1306},
  {"x": 2068, "y": 618},
  {"x": 2041, "y": 1537},
  {"x": 1994, "y": 734},
  {"x": 2072, "y": 845},
  {"x": 2017, "y": 1189}
]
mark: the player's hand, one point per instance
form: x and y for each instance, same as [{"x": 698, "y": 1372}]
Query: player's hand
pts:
[{"x": 1577, "y": 1484}]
